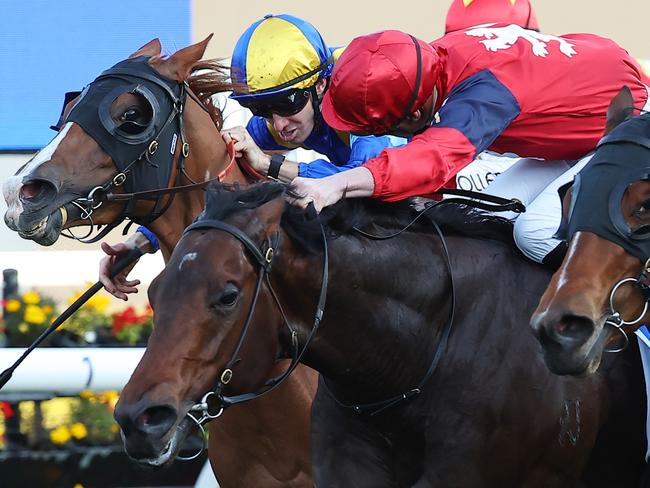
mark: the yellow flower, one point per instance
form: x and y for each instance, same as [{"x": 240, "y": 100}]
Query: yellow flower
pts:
[
  {"x": 72, "y": 299},
  {"x": 99, "y": 302},
  {"x": 60, "y": 435},
  {"x": 12, "y": 305},
  {"x": 111, "y": 398},
  {"x": 86, "y": 394},
  {"x": 78, "y": 430},
  {"x": 23, "y": 328},
  {"x": 31, "y": 298},
  {"x": 47, "y": 309},
  {"x": 114, "y": 428},
  {"x": 34, "y": 314},
  {"x": 78, "y": 485}
]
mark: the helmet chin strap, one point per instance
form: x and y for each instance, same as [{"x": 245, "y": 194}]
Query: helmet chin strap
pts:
[{"x": 315, "y": 102}]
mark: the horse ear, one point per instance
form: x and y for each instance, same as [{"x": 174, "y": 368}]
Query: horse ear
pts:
[
  {"x": 270, "y": 214},
  {"x": 179, "y": 66},
  {"x": 620, "y": 109},
  {"x": 152, "y": 48}
]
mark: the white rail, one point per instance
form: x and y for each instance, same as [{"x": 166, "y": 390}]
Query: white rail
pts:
[{"x": 68, "y": 371}]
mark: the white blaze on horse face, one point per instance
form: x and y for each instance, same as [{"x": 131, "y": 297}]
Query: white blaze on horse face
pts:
[
  {"x": 190, "y": 256},
  {"x": 506, "y": 37},
  {"x": 11, "y": 187}
]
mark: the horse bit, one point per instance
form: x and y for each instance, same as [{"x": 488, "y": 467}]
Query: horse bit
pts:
[{"x": 615, "y": 319}]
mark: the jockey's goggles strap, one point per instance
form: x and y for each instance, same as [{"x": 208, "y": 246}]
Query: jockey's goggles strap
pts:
[{"x": 298, "y": 79}]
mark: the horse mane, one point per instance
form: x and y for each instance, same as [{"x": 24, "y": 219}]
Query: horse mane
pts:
[
  {"x": 209, "y": 77},
  {"x": 373, "y": 216}
]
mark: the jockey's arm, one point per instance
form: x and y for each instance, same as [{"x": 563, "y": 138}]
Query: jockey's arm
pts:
[
  {"x": 259, "y": 140},
  {"x": 119, "y": 286}
]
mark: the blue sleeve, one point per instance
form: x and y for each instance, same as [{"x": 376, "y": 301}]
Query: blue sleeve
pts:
[
  {"x": 362, "y": 148},
  {"x": 320, "y": 168},
  {"x": 151, "y": 236}
]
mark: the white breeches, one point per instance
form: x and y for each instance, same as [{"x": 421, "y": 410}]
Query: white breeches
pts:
[{"x": 535, "y": 183}]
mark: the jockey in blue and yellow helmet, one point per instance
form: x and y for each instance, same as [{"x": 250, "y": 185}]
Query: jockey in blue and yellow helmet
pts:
[
  {"x": 277, "y": 57},
  {"x": 281, "y": 67}
]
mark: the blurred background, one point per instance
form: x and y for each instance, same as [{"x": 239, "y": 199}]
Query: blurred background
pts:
[{"x": 55, "y": 415}]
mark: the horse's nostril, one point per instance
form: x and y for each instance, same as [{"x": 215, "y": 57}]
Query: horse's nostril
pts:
[
  {"x": 573, "y": 329},
  {"x": 31, "y": 190},
  {"x": 156, "y": 420}
]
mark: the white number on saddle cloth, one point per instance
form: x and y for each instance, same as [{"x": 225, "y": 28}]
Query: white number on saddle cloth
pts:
[{"x": 505, "y": 37}]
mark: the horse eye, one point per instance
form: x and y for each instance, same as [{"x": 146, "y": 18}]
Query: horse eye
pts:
[
  {"x": 227, "y": 298},
  {"x": 642, "y": 210},
  {"x": 135, "y": 119},
  {"x": 130, "y": 114}
]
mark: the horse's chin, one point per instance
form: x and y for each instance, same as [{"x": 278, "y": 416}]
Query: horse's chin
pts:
[
  {"x": 46, "y": 231},
  {"x": 170, "y": 448}
]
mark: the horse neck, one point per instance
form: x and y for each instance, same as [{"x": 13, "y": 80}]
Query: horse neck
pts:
[
  {"x": 208, "y": 157},
  {"x": 381, "y": 323}
]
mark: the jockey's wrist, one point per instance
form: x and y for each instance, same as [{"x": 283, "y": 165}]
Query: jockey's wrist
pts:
[
  {"x": 145, "y": 240},
  {"x": 263, "y": 163}
]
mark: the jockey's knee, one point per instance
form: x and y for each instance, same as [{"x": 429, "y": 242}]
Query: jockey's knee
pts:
[{"x": 534, "y": 237}]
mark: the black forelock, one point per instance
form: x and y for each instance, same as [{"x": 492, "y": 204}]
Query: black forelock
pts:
[{"x": 223, "y": 200}]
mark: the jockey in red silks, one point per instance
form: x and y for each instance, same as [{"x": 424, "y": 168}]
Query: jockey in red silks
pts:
[
  {"x": 463, "y": 14},
  {"x": 495, "y": 87},
  {"x": 468, "y": 13}
]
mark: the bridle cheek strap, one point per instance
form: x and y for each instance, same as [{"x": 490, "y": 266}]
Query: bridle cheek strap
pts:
[{"x": 214, "y": 401}]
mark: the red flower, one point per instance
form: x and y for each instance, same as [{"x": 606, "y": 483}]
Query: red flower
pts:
[
  {"x": 127, "y": 318},
  {"x": 6, "y": 410}
]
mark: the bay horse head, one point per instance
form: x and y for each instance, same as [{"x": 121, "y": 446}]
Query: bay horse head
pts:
[
  {"x": 221, "y": 338},
  {"x": 600, "y": 292},
  {"x": 129, "y": 132}
]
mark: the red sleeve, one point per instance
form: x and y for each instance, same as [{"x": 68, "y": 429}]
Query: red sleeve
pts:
[{"x": 422, "y": 166}]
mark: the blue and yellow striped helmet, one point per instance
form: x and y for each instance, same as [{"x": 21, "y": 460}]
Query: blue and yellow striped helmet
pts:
[{"x": 278, "y": 53}]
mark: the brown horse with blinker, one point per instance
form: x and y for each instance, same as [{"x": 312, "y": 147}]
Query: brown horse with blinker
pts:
[
  {"x": 142, "y": 126},
  {"x": 601, "y": 292}
]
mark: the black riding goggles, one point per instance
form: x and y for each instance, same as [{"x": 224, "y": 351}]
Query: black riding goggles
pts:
[{"x": 285, "y": 104}]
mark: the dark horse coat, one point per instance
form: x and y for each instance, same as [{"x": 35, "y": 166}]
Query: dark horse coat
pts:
[{"x": 491, "y": 415}]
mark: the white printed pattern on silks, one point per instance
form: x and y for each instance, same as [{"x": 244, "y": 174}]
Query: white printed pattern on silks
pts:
[{"x": 498, "y": 38}]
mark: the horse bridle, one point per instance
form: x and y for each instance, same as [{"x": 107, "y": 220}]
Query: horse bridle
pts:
[
  {"x": 614, "y": 317},
  {"x": 214, "y": 402},
  {"x": 153, "y": 160}
]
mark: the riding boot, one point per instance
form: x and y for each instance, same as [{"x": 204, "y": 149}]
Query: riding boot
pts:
[{"x": 554, "y": 259}]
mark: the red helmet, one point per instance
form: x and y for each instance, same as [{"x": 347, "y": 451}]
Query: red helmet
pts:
[
  {"x": 378, "y": 80},
  {"x": 468, "y": 13}
]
